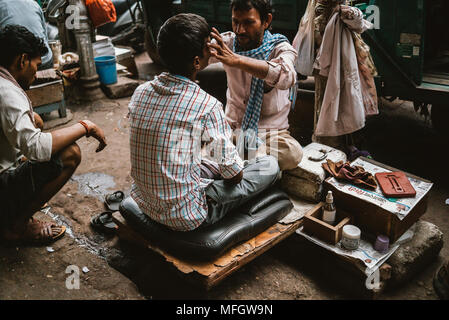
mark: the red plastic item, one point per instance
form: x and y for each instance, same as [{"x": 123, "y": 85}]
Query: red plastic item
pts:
[
  {"x": 395, "y": 184},
  {"x": 101, "y": 12}
]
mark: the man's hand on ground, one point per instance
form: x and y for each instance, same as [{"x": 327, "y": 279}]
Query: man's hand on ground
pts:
[
  {"x": 97, "y": 133},
  {"x": 221, "y": 51}
]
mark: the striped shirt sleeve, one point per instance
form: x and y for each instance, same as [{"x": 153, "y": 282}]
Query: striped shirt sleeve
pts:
[{"x": 219, "y": 146}]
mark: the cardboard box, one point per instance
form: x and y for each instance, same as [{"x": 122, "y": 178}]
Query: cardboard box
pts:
[
  {"x": 316, "y": 227},
  {"x": 372, "y": 212}
]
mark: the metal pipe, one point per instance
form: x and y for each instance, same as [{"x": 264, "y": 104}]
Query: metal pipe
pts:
[{"x": 82, "y": 30}]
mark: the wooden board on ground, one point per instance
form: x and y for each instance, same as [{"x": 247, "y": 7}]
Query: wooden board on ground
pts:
[{"x": 209, "y": 274}]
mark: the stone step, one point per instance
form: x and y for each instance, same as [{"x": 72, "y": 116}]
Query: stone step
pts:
[{"x": 124, "y": 87}]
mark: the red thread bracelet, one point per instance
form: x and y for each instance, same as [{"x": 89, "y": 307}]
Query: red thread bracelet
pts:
[{"x": 85, "y": 127}]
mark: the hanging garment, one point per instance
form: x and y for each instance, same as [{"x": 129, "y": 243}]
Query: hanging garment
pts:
[
  {"x": 101, "y": 12},
  {"x": 342, "y": 110},
  {"x": 343, "y": 60},
  {"x": 304, "y": 41}
]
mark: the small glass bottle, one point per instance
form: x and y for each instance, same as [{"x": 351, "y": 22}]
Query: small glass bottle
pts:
[{"x": 329, "y": 210}]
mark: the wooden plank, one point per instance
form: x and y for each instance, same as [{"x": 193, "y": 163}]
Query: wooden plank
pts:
[
  {"x": 435, "y": 80},
  {"x": 46, "y": 93},
  {"x": 264, "y": 246},
  {"x": 209, "y": 274}
]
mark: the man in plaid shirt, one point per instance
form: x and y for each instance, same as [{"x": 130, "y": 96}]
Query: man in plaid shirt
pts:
[{"x": 171, "y": 119}]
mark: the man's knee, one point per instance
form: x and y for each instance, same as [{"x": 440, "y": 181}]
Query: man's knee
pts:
[
  {"x": 291, "y": 157},
  {"x": 269, "y": 167},
  {"x": 71, "y": 156}
]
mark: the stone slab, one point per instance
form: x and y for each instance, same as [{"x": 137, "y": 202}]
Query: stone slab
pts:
[
  {"x": 53, "y": 120},
  {"x": 413, "y": 256},
  {"x": 124, "y": 87}
]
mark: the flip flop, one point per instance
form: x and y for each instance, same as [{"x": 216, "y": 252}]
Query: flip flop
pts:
[
  {"x": 40, "y": 236},
  {"x": 103, "y": 223},
  {"x": 112, "y": 201}
]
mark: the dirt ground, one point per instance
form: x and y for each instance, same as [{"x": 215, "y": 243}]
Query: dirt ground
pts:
[{"x": 398, "y": 137}]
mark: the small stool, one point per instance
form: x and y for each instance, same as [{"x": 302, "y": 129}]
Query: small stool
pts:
[{"x": 212, "y": 241}]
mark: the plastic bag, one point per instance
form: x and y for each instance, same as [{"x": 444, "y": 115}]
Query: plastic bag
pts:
[
  {"x": 101, "y": 12},
  {"x": 304, "y": 41}
]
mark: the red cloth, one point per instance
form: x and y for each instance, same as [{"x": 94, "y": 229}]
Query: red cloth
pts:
[
  {"x": 356, "y": 175},
  {"x": 101, "y": 12}
]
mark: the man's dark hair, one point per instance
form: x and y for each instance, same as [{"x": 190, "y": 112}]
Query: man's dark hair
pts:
[
  {"x": 180, "y": 40},
  {"x": 262, "y": 6},
  {"x": 16, "y": 40}
]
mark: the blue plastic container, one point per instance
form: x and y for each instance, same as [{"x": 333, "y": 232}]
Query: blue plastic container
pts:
[{"x": 106, "y": 69}]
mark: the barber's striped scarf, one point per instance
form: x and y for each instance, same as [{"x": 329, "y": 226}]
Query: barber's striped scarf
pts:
[{"x": 251, "y": 118}]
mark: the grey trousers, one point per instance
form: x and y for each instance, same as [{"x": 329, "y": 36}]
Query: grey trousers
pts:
[{"x": 258, "y": 175}]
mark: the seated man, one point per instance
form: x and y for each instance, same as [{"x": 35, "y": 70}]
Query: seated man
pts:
[
  {"x": 28, "y": 14},
  {"x": 170, "y": 117},
  {"x": 260, "y": 73},
  {"x": 34, "y": 165}
]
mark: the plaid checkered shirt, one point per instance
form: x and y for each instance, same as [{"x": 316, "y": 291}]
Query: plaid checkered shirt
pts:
[{"x": 171, "y": 118}]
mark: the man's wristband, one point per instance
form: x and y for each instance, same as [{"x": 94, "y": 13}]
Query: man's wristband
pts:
[{"x": 85, "y": 127}]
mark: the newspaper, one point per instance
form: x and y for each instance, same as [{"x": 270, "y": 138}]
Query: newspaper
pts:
[
  {"x": 399, "y": 207},
  {"x": 366, "y": 254},
  {"x": 300, "y": 208}
]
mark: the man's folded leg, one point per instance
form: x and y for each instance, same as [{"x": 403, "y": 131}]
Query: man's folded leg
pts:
[
  {"x": 258, "y": 175},
  {"x": 280, "y": 144},
  {"x": 25, "y": 189}
]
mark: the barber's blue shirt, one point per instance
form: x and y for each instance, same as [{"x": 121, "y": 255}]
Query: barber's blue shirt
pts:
[{"x": 29, "y": 14}]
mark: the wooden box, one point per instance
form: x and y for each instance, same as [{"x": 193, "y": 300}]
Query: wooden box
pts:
[
  {"x": 316, "y": 227},
  {"x": 373, "y": 219},
  {"x": 46, "y": 93}
]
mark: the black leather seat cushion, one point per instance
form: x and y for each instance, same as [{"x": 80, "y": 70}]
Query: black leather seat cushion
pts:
[{"x": 210, "y": 242}]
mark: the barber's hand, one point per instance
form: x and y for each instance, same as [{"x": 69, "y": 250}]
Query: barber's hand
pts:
[
  {"x": 97, "y": 133},
  {"x": 221, "y": 51}
]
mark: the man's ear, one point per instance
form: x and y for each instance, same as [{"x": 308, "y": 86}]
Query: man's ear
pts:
[
  {"x": 267, "y": 22},
  {"x": 23, "y": 61},
  {"x": 196, "y": 63}
]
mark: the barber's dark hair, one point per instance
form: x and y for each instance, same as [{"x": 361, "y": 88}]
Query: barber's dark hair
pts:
[
  {"x": 16, "y": 40},
  {"x": 262, "y": 6},
  {"x": 180, "y": 40}
]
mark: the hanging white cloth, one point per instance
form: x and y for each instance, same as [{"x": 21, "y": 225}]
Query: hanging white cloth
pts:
[
  {"x": 304, "y": 41},
  {"x": 342, "y": 111}
]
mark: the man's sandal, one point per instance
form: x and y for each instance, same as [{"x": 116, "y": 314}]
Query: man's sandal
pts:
[
  {"x": 103, "y": 223},
  {"x": 112, "y": 201},
  {"x": 37, "y": 233}
]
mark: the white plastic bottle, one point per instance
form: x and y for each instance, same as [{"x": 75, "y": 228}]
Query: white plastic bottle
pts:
[{"x": 329, "y": 210}]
